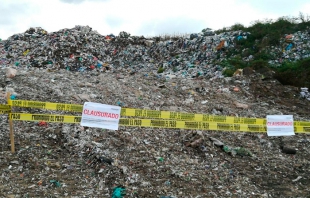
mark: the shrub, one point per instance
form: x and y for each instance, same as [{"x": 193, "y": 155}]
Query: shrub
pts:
[
  {"x": 228, "y": 72},
  {"x": 294, "y": 73},
  {"x": 258, "y": 64},
  {"x": 237, "y": 26},
  {"x": 232, "y": 65}
]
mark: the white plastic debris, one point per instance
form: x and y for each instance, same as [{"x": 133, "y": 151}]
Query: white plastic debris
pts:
[{"x": 10, "y": 72}]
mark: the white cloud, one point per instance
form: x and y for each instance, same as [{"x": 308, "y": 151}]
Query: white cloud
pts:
[
  {"x": 147, "y": 17},
  {"x": 79, "y": 1}
]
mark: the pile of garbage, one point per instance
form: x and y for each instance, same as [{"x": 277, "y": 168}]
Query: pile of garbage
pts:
[
  {"x": 292, "y": 47},
  {"x": 68, "y": 160},
  {"x": 81, "y": 49},
  {"x": 160, "y": 73}
]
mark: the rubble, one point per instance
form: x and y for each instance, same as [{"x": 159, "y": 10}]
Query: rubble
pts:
[{"x": 67, "y": 160}]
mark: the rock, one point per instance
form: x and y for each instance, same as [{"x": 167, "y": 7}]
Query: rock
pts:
[
  {"x": 84, "y": 97},
  {"x": 241, "y": 105}
]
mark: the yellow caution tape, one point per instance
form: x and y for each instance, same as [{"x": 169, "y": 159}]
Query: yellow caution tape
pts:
[
  {"x": 45, "y": 117},
  {"x": 129, "y": 112},
  {"x": 174, "y": 124},
  {"x": 46, "y": 105},
  {"x": 4, "y": 109}
]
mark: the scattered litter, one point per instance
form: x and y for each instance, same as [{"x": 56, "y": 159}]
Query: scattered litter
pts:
[
  {"x": 237, "y": 151},
  {"x": 106, "y": 160},
  {"x": 55, "y": 182},
  {"x": 216, "y": 142},
  {"x": 119, "y": 192},
  {"x": 10, "y": 72},
  {"x": 297, "y": 179}
]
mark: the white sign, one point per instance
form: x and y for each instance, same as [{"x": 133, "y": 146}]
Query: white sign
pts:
[
  {"x": 100, "y": 115},
  {"x": 280, "y": 125}
]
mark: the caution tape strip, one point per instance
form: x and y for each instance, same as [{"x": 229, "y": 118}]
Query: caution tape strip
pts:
[
  {"x": 174, "y": 124},
  {"x": 45, "y": 117},
  {"x": 4, "y": 109},
  {"x": 129, "y": 112},
  {"x": 46, "y": 105}
]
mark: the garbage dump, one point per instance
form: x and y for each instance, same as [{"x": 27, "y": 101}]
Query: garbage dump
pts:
[{"x": 177, "y": 74}]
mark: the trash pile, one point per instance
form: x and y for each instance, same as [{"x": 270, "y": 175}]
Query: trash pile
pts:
[
  {"x": 171, "y": 74},
  {"x": 305, "y": 93},
  {"x": 81, "y": 49},
  {"x": 67, "y": 160},
  {"x": 293, "y": 47}
]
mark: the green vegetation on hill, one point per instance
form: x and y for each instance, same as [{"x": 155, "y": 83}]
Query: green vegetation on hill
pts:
[
  {"x": 263, "y": 35},
  {"x": 295, "y": 73}
]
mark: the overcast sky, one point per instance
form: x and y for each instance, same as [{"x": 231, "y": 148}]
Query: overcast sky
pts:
[{"x": 141, "y": 17}]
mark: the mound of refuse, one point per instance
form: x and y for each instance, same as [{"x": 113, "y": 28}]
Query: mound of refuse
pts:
[
  {"x": 82, "y": 49},
  {"x": 176, "y": 74}
]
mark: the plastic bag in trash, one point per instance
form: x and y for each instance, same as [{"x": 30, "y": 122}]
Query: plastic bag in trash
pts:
[
  {"x": 305, "y": 93},
  {"x": 11, "y": 72}
]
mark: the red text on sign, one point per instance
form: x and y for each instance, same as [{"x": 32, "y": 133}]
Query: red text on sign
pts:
[
  {"x": 101, "y": 114},
  {"x": 279, "y": 123}
]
